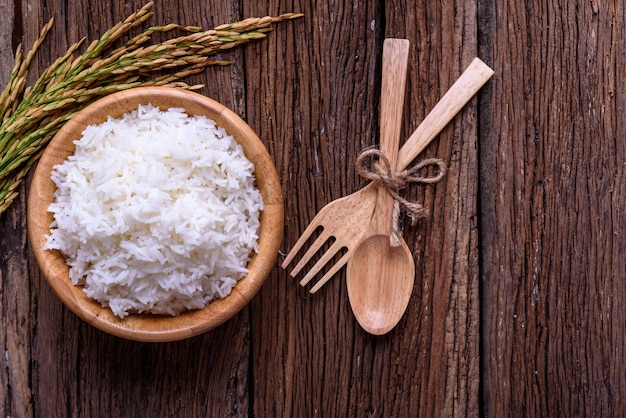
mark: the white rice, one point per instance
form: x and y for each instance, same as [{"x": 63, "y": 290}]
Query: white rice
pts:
[{"x": 155, "y": 212}]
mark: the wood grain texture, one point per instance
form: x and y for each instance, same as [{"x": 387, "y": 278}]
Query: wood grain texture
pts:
[
  {"x": 518, "y": 303},
  {"x": 552, "y": 208},
  {"x": 7, "y": 22},
  {"x": 14, "y": 296}
]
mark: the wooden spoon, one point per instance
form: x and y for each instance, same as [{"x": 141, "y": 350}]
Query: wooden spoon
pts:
[{"x": 379, "y": 276}]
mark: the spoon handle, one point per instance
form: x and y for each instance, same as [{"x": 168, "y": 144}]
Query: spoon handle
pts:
[
  {"x": 395, "y": 66},
  {"x": 472, "y": 79}
]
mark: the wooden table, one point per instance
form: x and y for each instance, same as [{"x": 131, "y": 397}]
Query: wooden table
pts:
[{"x": 519, "y": 301}]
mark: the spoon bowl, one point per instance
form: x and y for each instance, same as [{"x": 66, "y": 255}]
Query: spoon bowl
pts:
[{"x": 381, "y": 284}]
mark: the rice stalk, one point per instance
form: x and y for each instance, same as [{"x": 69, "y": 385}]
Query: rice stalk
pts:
[{"x": 32, "y": 115}]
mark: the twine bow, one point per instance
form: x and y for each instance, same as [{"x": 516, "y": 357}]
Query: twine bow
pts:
[{"x": 394, "y": 181}]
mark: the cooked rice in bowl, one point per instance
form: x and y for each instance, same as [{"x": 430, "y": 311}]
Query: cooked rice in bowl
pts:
[
  {"x": 156, "y": 212},
  {"x": 147, "y": 327}
]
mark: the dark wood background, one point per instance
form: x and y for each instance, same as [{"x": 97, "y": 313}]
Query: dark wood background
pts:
[{"x": 519, "y": 301}]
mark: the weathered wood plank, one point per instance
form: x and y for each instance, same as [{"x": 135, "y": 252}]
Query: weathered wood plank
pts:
[
  {"x": 312, "y": 98},
  {"x": 15, "y": 307},
  {"x": 14, "y": 389},
  {"x": 446, "y": 308},
  {"x": 7, "y": 24},
  {"x": 17, "y": 316},
  {"x": 552, "y": 208}
]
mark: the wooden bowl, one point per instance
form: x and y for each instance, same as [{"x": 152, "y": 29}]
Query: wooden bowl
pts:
[{"x": 150, "y": 327}]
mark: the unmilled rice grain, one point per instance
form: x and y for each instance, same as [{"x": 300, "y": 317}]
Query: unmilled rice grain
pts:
[{"x": 155, "y": 212}]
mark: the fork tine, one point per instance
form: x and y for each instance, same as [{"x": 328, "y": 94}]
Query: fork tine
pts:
[
  {"x": 324, "y": 259},
  {"x": 313, "y": 249},
  {"x": 330, "y": 273},
  {"x": 303, "y": 238}
]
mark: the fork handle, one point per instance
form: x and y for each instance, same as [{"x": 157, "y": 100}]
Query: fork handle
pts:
[{"x": 468, "y": 84}]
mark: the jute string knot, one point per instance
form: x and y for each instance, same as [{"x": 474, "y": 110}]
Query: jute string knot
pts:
[{"x": 382, "y": 175}]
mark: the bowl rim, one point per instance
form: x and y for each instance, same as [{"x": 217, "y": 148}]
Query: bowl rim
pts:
[{"x": 150, "y": 327}]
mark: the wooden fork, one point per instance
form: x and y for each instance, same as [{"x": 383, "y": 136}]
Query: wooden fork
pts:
[{"x": 346, "y": 219}]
